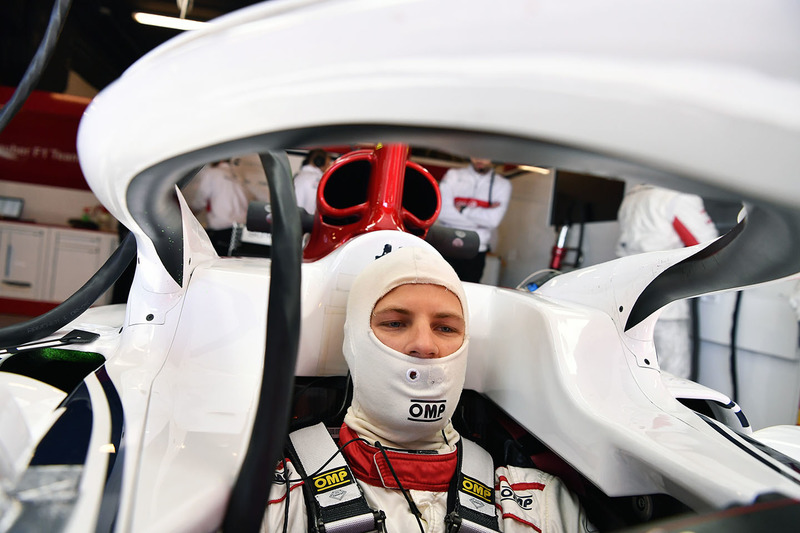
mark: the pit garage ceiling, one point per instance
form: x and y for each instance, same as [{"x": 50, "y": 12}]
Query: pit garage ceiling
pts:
[{"x": 100, "y": 39}]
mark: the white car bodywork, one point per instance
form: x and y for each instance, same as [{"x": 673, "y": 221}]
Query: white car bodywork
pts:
[{"x": 702, "y": 97}]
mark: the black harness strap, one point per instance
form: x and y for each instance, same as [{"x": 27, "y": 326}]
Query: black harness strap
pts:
[{"x": 470, "y": 499}]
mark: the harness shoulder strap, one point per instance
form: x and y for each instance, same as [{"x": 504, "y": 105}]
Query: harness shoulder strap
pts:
[
  {"x": 470, "y": 500},
  {"x": 334, "y": 500}
]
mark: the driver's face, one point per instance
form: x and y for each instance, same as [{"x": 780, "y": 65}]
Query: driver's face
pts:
[{"x": 420, "y": 320}]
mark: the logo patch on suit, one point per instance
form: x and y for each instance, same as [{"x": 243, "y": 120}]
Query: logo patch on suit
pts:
[
  {"x": 475, "y": 488},
  {"x": 524, "y": 501},
  {"x": 426, "y": 410},
  {"x": 330, "y": 480}
]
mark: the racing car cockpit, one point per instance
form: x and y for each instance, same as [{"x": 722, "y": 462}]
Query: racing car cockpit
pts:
[{"x": 191, "y": 387}]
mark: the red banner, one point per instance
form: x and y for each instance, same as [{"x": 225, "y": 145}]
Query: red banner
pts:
[{"x": 38, "y": 145}]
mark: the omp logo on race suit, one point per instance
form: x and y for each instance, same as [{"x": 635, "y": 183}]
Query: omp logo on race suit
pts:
[
  {"x": 426, "y": 410},
  {"x": 331, "y": 479},
  {"x": 507, "y": 493},
  {"x": 473, "y": 487}
]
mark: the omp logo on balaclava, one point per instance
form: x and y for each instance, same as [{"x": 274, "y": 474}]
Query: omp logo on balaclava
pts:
[
  {"x": 426, "y": 410},
  {"x": 402, "y": 398}
]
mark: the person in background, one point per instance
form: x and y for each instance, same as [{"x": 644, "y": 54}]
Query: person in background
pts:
[
  {"x": 474, "y": 198},
  {"x": 406, "y": 336},
  {"x": 306, "y": 181},
  {"x": 654, "y": 219},
  {"x": 217, "y": 191}
]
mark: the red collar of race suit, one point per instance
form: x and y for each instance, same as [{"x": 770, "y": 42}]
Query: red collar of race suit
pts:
[{"x": 415, "y": 470}]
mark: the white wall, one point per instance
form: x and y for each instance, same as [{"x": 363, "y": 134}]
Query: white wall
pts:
[
  {"x": 49, "y": 205},
  {"x": 56, "y": 205},
  {"x": 526, "y": 238}
]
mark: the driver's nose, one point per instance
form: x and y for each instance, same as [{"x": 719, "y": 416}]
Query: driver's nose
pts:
[{"x": 422, "y": 342}]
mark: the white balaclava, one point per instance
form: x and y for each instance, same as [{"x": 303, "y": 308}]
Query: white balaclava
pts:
[{"x": 401, "y": 399}]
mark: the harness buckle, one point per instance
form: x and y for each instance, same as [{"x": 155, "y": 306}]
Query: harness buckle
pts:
[
  {"x": 452, "y": 522},
  {"x": 380, "y": 520}
]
